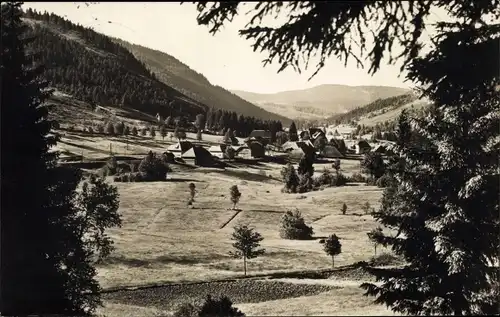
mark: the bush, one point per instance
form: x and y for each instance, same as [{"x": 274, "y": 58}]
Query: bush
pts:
[
  {"x": 306, "y": 183},
  {"x": 384, "y": 181},
  {"x": 100, "y": 128},
  {"x": 134, "y": 131},
  {"x": 90, "y": 130},
  {"x": 357, "y": 178},
  {"x": 110, "y": 169},
  {"x": 130, "y": 177},
  {"x": 293, "y": 227},
  {"x": 110, "y": 129},
  {"x": 222, "y": 306},
  {"x": 153, "y": 167},
  {"x": 385, "y": 259}
]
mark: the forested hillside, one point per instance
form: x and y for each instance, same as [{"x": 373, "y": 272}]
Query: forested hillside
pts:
[
  {"x": 92, "y": 68},
  {"x": 376, "y": 107},
  {"x": 174, "y": 73},
  {"x": 95, "y": 69}
]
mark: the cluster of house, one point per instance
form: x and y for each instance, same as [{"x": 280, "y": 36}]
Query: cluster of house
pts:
[{"x": 257, "y": 145}]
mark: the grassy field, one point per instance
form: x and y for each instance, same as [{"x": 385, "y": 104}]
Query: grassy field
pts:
[{"x": 162, "y": 240}]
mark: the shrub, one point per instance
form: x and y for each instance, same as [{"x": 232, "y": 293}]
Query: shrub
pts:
[
  {"x": 152, "y": 132},
  {"x": 120, "y": 128},
  {"x": 126, "y": 130},
  {"x": 306, "y": 166},
  {"x": 110, "y": 169},
  {"x": 306, "y": 183},
  {"x": 222, "y": 306},
  {"x": 357, "y": 178},
  {"x": 338, "y": 180},
  {"x": 90, "y": 130},
  {"x": 153, "y": 167},
  {"x": 293, "y": 226},
  {"x": 385, "y": 259},
  {"x": 134, "y": 131},
  {"x": 110, "y": 129},
  {"x": 144, "y": 131},
  {"x": 100, "y": 128},
  {"x": 384, "y": 181}
]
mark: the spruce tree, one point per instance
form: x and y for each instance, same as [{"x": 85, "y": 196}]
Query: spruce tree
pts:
[
  {"x": 445, "y": 201},
  {"x": 46, "y": 265},
  {"x": 292, "y": 133}
]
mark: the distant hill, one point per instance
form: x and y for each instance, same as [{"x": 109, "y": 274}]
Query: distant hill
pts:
[
  {"x": 174, "y": 73},
  {"x": 380, "y": 111},
  {"x": 320, "y": 101}
]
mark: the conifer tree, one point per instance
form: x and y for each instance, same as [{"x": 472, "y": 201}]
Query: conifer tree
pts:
[
  {"x": 46, "y": 265},
  {"x": 292, "y": 132},
  {"x": 445, "y": 203}
]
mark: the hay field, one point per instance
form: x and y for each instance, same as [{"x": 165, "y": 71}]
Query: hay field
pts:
[{"x": 163, "y": 240}]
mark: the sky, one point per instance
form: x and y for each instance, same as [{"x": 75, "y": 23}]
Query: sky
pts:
[{"x": 225, "y": 59}]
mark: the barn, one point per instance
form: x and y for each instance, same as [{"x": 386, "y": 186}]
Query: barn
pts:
[{"x": 198, "y": 155}]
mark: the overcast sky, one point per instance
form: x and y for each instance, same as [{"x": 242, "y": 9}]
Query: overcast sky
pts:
[{"x": 225, "y": 59}]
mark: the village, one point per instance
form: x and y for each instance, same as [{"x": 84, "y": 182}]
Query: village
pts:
[{"x": 332, "y": 142}]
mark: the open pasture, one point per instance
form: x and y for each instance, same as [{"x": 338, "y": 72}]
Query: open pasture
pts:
[{"x": 163, "y": 240}]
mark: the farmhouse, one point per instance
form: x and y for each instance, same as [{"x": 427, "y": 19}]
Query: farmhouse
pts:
[
  {"x": 180, "y": 147},
  {"x": 362, "y": 147},
  {"x": 219, "y": 150},
  {"x": 262, "y": 136},
  {"x": 198, "y": 155},
  {"x": 254, "y": 149},
  {"x": 295, "y": 145}
]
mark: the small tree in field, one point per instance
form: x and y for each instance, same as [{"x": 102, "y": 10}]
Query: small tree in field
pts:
[
  {"x": 332, "y": 247},
  {"x": 198, "y": 135},
  {"x": 367, "y": 208},
  {"x": 163, "y": 131},
  {"x": 134, "y": 131},
  {"x": 126, "y": 130},
  {"x": 152, "y": 132},
  {"x": 110, "y": 129},
  {"x": 246, "y": 244},
  {"x": 192, "y": 193},
  {"x": 343, "y": 209},
  {"x": 144, "y": 131},
  {"x": 235, "y": 195},
  {"x": 374, "y": 236},
  {"x": 290, "y": 178}
]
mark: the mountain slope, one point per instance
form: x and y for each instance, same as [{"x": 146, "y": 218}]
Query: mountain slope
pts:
[
  {"x": 90, "y": 67},
  {"x": 320, "y": 101},
  {"x": 174, "y": 73}
]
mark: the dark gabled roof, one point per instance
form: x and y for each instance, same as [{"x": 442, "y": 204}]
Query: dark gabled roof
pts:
[
  {"x": 197, "y": 152},
  {"x": 364, "y": 144},
  {"x": 260, "y": 133},
  {"x": 181, "y": 146}
]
